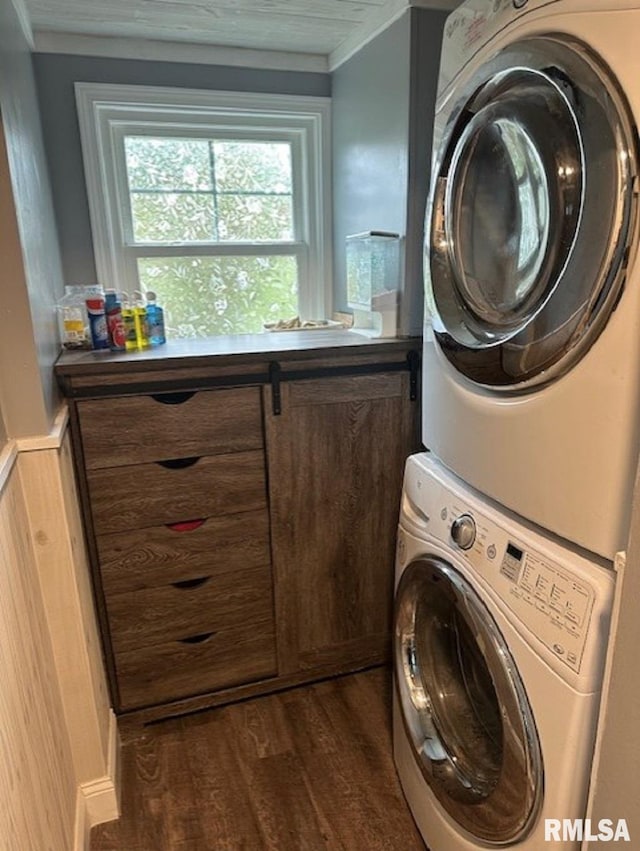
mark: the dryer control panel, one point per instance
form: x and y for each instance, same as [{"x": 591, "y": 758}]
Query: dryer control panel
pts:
[
  {"x": 553, "y": 600},
  {"x": 472, "y": 25}
]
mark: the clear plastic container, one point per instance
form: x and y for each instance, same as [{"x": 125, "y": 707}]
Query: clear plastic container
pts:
[
  {"x": 373, "y": 268},
  {"x": 73, "y": 320}
]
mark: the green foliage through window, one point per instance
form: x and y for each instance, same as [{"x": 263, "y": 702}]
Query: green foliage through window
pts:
[
  {"x": 206, "y": 296},
  {"x": 213, "y": 193},
  {"x": 198, "y": 190}
]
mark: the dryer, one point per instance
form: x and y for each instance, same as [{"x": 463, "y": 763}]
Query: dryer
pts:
[
  {"x": 499, "y": 646},
  {"x": 532, "y": 328}
]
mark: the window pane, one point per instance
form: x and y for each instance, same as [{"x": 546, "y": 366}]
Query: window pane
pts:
[
  {"x": 167, "y": 164},
  {"x": 253, "y": 167},
  {"x": 205, "y": 296},
  {"x": 169, "y": 217},
  {"x": 255, "y": 218}
]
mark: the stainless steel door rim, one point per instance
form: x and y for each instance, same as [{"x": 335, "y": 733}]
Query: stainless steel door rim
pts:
[
  {"x": 532, "y": 213},
  {"x": 464, "y": 706}
]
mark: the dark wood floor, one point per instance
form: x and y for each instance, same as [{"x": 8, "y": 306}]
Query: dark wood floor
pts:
[{"x": 306, "y": 769}]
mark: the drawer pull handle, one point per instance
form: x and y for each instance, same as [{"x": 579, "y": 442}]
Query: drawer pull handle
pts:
[
  {"x": 197, "y": 639},
  {"x": 173, "y": 398},
  {"x": 179, "y": 463},
  {"x": 186, "y": 525},
  {"x": 185, "y": 584}
]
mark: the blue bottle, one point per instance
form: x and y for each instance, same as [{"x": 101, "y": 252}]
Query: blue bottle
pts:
[{"x": 155, "y": 320}]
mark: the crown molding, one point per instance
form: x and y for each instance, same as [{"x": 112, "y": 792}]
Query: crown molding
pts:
[
  {"x": 389, "y": 13},
  {"x": 20, "y": 9},
  {"x": 175, "y": 51}
]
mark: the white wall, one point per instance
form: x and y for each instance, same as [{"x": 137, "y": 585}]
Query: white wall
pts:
[
  {"x": 37, "y": 785},
  {"x": 57, "y": 735},
  {"x": 615, "y": 786}
]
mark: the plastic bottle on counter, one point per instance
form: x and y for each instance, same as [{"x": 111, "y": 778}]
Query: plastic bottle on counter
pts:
[
  {"x": 140, "y": 318},
  {"x": 115, "y": 321},
  {"x": 155, "y": 320},
  {"x": 73, "y": 319},
  {"x": 129, "y": 322},
  {"x": 97, "y": 318}
]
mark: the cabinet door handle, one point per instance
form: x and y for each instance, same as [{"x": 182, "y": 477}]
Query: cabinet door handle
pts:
[
  {"x": 186, "y": 525},
  {"x": 179, "y": 463},
  {"x": 276, "y": 397},
  {"x": 197, "y": 639},
  {"x": 413, "y": 360},
  {"x": 186, "y": 584},
  {"x": 173, "y": 398}
]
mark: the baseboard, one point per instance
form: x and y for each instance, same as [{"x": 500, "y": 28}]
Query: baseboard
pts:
[
  {"x": 98, "y": 800},
  {"x": 82, "y": 828}
]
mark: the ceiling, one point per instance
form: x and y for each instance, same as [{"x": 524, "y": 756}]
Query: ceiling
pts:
[{"x": 327, "y": 30}]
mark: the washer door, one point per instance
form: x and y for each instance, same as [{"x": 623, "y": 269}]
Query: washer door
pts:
[
  {"x": 532, "y": 213},
  {"x": 464, "y": 706}
]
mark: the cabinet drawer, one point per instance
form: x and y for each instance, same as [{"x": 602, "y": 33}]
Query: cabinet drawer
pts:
[
  {"x": 212, "y": 601},
  {"x": 134, "y": 429},
  {"x": 144, "y": 495},
  {"x": 145, "y": 558},
  {"x": 179, "y": 669}
]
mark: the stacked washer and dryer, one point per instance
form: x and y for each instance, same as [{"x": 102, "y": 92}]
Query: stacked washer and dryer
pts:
[{"x": 510, "y": 524}]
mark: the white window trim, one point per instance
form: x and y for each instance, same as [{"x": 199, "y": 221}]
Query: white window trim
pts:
[{"x": 103, "y": 107}]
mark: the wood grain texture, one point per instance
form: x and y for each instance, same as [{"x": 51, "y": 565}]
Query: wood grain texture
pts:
[
  {"x": 50, "y": 498},
  {"x": 219, "y": 658},
  {"x": 134, "y": 429},
  {"x": 132, "y": 721},
  {"x": 206, "y": 358},
  {"x": 306, "y": 769},
  {"x": 336, "y": 459},
  {"x": 215, "y": 601},
  {"x": 303, "y": 27},
  {"x": 37, "y": 780},
  {"x": 145, "y": 558},
  {"x": 143, "y": 495}
]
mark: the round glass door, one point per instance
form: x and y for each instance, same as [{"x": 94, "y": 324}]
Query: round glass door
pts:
[
  {"x": 532, "y": 213},
  {"x": 464, "y": 707},
  {"x": 512, "y": 203}
]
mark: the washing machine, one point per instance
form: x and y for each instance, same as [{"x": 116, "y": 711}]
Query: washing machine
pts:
[
  {"x": 532, "y": 333},
  {"x": 499, "y": 647}
]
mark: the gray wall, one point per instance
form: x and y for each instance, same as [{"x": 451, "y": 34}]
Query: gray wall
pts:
[
  {"x": 56, "y": 75},
  {"x": 370, "y": 109},
  {"x": 383, "y": 104},
  {"x": 30, "y": 272},
  {"x": 426, "y": 43}
]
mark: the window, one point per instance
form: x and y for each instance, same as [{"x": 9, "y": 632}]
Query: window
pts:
[{"x": 216, "y": 201}]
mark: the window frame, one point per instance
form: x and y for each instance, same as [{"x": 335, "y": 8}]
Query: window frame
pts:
[{"x": 107, "y": 113}]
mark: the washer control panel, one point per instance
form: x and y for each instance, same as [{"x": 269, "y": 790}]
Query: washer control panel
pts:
[{"x": 554, "y": 603}]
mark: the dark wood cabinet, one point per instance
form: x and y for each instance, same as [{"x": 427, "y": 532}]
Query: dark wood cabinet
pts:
[
  {"x": 240, "y": 517},
  {"x": 336, "y": 456}
]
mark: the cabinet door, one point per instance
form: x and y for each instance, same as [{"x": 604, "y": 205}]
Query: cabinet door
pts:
[{"x": 335, "y": 457}]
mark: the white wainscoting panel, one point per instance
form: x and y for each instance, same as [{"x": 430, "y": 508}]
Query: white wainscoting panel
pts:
[{"x": 37, "y": 778}]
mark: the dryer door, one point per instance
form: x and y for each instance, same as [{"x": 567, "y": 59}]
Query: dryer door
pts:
[
  {"x": 532, "y": 213},
  {"x": 464, "y": 706}
]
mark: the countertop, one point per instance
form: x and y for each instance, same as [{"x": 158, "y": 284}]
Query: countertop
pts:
[{"x": 278, "y": 345}]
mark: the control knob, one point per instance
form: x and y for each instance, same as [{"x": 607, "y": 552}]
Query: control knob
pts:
[{"x": 463, "y": 531}]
